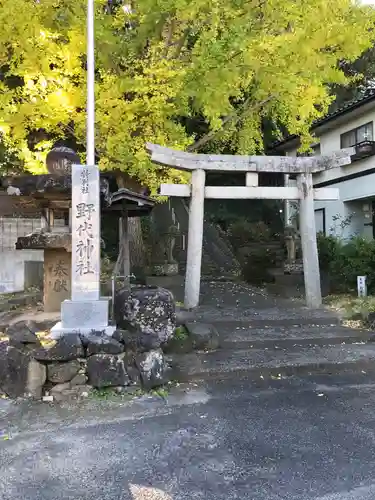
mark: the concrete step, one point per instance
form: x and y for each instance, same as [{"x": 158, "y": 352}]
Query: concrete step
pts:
[
  {"x": 241, "y": 335},
  {"x": 257, "y": 316},
  {"x": 258, "y": 363}
]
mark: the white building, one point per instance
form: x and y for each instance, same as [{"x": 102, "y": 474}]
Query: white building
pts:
[{"x": 352, "y": 125}]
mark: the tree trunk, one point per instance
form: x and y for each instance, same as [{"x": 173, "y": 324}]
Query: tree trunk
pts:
[{"x": 136, "y": 243}]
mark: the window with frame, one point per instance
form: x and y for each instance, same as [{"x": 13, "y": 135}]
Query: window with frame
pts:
[{"x": 357, "y": 135}]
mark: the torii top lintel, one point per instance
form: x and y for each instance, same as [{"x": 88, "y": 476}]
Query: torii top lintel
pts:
[{"x": 226, "y": 163}]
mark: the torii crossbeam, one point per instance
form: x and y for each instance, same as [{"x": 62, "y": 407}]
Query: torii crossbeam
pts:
[{"x": 197, "y": 191}]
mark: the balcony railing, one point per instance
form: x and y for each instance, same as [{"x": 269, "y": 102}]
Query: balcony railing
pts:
[{"x": 363, "y": 149}]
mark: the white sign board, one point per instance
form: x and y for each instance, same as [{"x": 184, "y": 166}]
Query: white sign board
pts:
[{"x": 361, "y": 286}]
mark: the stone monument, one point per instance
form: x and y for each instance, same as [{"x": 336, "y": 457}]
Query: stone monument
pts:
[
  {"x": 292, "y": 244},
  {"x": 51, "y": 194},
  {"x": 86, "y": 311},
  {"x": 56, "y": 245},
  {"x": 165, "y": 264}
]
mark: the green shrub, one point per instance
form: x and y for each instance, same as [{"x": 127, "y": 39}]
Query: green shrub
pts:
[
  {"x": 328, "y": 249},
  {"x": 241, "y": 232},
  {"x": 344, "y": 261},
  {"x": 257, "y": 265}
]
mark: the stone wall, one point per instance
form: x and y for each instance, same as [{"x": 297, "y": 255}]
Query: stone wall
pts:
[
  {"x": 12, "y": 269},
  {"x": 14, "y": 264},
  {"x": 12, "y": 228},
  {"x": 144, "y": 352}
]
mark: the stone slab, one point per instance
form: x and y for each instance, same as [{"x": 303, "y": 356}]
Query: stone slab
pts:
[
  {"x": 85, "y": 313},
  {"x": 57, "y": 278},
  {"x": 58, "y": 330},
  {"x": 41, "y": 241}
]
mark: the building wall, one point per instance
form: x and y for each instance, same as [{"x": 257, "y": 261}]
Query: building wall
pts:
[
  {"x": 12, "y": 228},
  {"x": 348, "y": 211},
  {"x": 12, "y": 268},
  {"x": 330, "y": 141},
  {"x": 13, "y": 262}
]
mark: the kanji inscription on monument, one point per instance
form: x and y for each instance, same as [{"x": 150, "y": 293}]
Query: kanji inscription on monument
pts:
[{"x": 85, "y": 233}]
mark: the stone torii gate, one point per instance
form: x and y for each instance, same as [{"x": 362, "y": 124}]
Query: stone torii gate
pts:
[{"x": 197, "y": 191}]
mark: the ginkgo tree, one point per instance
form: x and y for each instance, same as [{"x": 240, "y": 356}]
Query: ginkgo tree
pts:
[{"x": 164, "y": 66}]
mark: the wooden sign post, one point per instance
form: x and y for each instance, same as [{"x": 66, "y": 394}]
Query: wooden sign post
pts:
[{"x": 197, "y": 191}]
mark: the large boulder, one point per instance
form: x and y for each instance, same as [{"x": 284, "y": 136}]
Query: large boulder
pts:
[
  {"x": 183, "y": 316},
  {"x": 107, "y": 370},
  {"x": 24, "y": 376},
  {"x": 149, "y": 311},
  {"x": 130, "y": 339},
  {"x": 3, "y": 363},
  {"x": 203, "y": 336},
  {"x": 153, "y": 368},
  {"x": 79, "y": 379},
  {"x": 22, "y": 335},
  {"x": 66, "y": 348},
  {"x": 58, "y": 373},
  {"x": 67, "y": 392},
  {"x": 131, "y": 368},
  {"x": 99, "y": 343}
]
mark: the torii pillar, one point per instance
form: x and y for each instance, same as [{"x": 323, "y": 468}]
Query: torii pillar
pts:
[{"x": 197, "y": 191}]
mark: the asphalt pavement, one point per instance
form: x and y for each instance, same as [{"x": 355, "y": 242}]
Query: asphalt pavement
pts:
[{"x": 306, "y": 438}]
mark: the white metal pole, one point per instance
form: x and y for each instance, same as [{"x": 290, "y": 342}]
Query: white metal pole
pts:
[
  {"x": 90, "y": 142},
  {"x": 90, "y": 137}
]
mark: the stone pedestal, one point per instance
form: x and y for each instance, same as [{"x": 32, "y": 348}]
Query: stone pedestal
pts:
[
  {"x": 84, "y": 317},
  {"x": 57, "y": 278},
  {"x": 166, "y": 269},
  {"x": 57, "y": 265},
  {"x": 295, "y": 267}
]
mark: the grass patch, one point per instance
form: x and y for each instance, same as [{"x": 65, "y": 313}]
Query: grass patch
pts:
[
  {"x": 111, "y": 394},
  {"x": 181, "y": 333},
  {"x": 161, "y": 392},
  {"x": 354, "y": 310},
  {"x": 7, "y": 296}
]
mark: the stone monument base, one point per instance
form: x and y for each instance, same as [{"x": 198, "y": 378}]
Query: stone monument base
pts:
[
  {"x": 295, "y": 267},
  {"x": 59, "y": 330},
  {"x": 167, "y": 269},
  {"x": 57, "y": 278},
  {"x": 83, "y": 316}
]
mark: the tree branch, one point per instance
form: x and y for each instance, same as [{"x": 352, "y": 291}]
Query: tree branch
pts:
[
  {"x": 181, "y": 42},
  {"x": 231, "y": 118}
]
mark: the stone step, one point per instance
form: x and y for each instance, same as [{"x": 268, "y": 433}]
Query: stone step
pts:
[
  {"x": 258, "y": 363},
  {"x": 240, "y": 335},
  {"x": 272, "y": 316}
]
